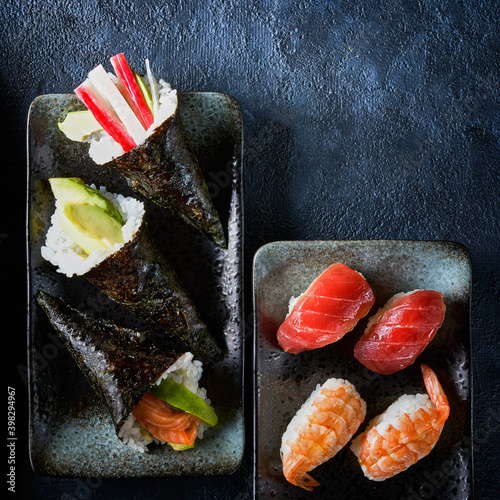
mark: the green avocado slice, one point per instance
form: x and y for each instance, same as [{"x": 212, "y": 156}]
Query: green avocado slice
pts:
[
  {"x": 75, "y": 191},
  {"x": 180, "y": 397},
  {"x": 78, "y": 125},
  {"x": 144, "y": 90},
  {"x": 90, "y": 227},
  {"x": 180, "y": 447},
  {"x": 87, "y": 216}
]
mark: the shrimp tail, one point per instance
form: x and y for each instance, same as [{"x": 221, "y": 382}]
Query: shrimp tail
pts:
[
  {"x": 302, "y": 479},
  {"x": 306, "y": 482},
  {"x": 293, "y": 470},
  {"x": 435, "y": 391}
]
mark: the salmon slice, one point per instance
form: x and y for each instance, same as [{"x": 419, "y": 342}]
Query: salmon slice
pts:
[
  {"x": 400, "y": 331},
  {"x": 164, "y": 422},
  {"x": 332, "y": 306}
]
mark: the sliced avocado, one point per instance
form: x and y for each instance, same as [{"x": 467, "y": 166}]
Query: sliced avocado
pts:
[
  {"x": 144, "y": 90},
  {"x": 89, "y": 218},
  {"x": 75, "y": 191},
  {"x": 78, "y": 125},
  {"x": 181, "y": 447},
  {"x": 180, "y": 397},
  {"x": 87, "y": 243},
  {"x": 90, "y": 226}
]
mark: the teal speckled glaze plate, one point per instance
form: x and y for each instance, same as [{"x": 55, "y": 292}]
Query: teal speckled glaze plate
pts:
[
  {"x": 284, "y": 381},
  {"x": 71, "y": 433}
]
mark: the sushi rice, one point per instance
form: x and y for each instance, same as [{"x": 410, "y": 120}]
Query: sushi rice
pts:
[
  {"x": 69, "y": 259},
  {"x": 186, "y": 371},
  {"x": 103, "y": 148},
  {"x": 292, "y": 302}
]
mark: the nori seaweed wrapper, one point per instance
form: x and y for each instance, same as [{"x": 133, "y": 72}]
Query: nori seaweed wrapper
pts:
[
  {"x": 164, "y": 170},
  {"x": 119, "y": 363},
  {"x": 138, "y": 277}
]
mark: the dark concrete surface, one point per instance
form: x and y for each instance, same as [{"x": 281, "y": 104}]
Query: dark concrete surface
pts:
[{"x": 363, "y": 120}]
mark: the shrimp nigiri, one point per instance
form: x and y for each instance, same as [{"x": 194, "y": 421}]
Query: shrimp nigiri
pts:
[
  {"x": 406, "y": 432},
  {"x": 331, "y": 306},
  {"x": 320, "y": 429}
]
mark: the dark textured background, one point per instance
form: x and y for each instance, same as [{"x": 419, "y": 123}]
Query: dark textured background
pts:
[{"x": 368, "y": 120}]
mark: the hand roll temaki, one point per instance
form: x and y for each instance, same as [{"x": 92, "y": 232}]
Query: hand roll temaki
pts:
[
  {"x": 104, "y": 238},
  {"x": 151, "y": 395},
  {"x": 134, "y": 124}
]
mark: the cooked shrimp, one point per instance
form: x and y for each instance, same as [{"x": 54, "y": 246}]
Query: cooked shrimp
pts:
[
  {"x": 406, "y": 432},
  {"x": 323, "y": 426}
]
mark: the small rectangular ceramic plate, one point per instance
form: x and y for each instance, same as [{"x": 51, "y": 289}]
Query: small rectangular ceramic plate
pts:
[
  {"x": 71, "y": 433},
  {"x": 284, "y": 381}
]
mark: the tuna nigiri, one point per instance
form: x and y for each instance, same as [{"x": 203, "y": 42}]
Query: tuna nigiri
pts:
[
  {"x": 406, "y": 432},
  {"x": 320, "y": 429},
  {"x": 332, "y": 306},
  {"x": 400, "y": 331}
]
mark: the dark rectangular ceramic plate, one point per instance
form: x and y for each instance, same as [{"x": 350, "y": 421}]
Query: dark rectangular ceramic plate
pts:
[
  {"x": 284, "y": 381},
  {"x": 71, "y": 433}
]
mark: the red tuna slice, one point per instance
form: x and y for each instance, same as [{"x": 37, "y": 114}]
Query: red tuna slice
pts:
[
  {"x": 400, "y": 331},
  {"x": 332, "y": 306}
]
